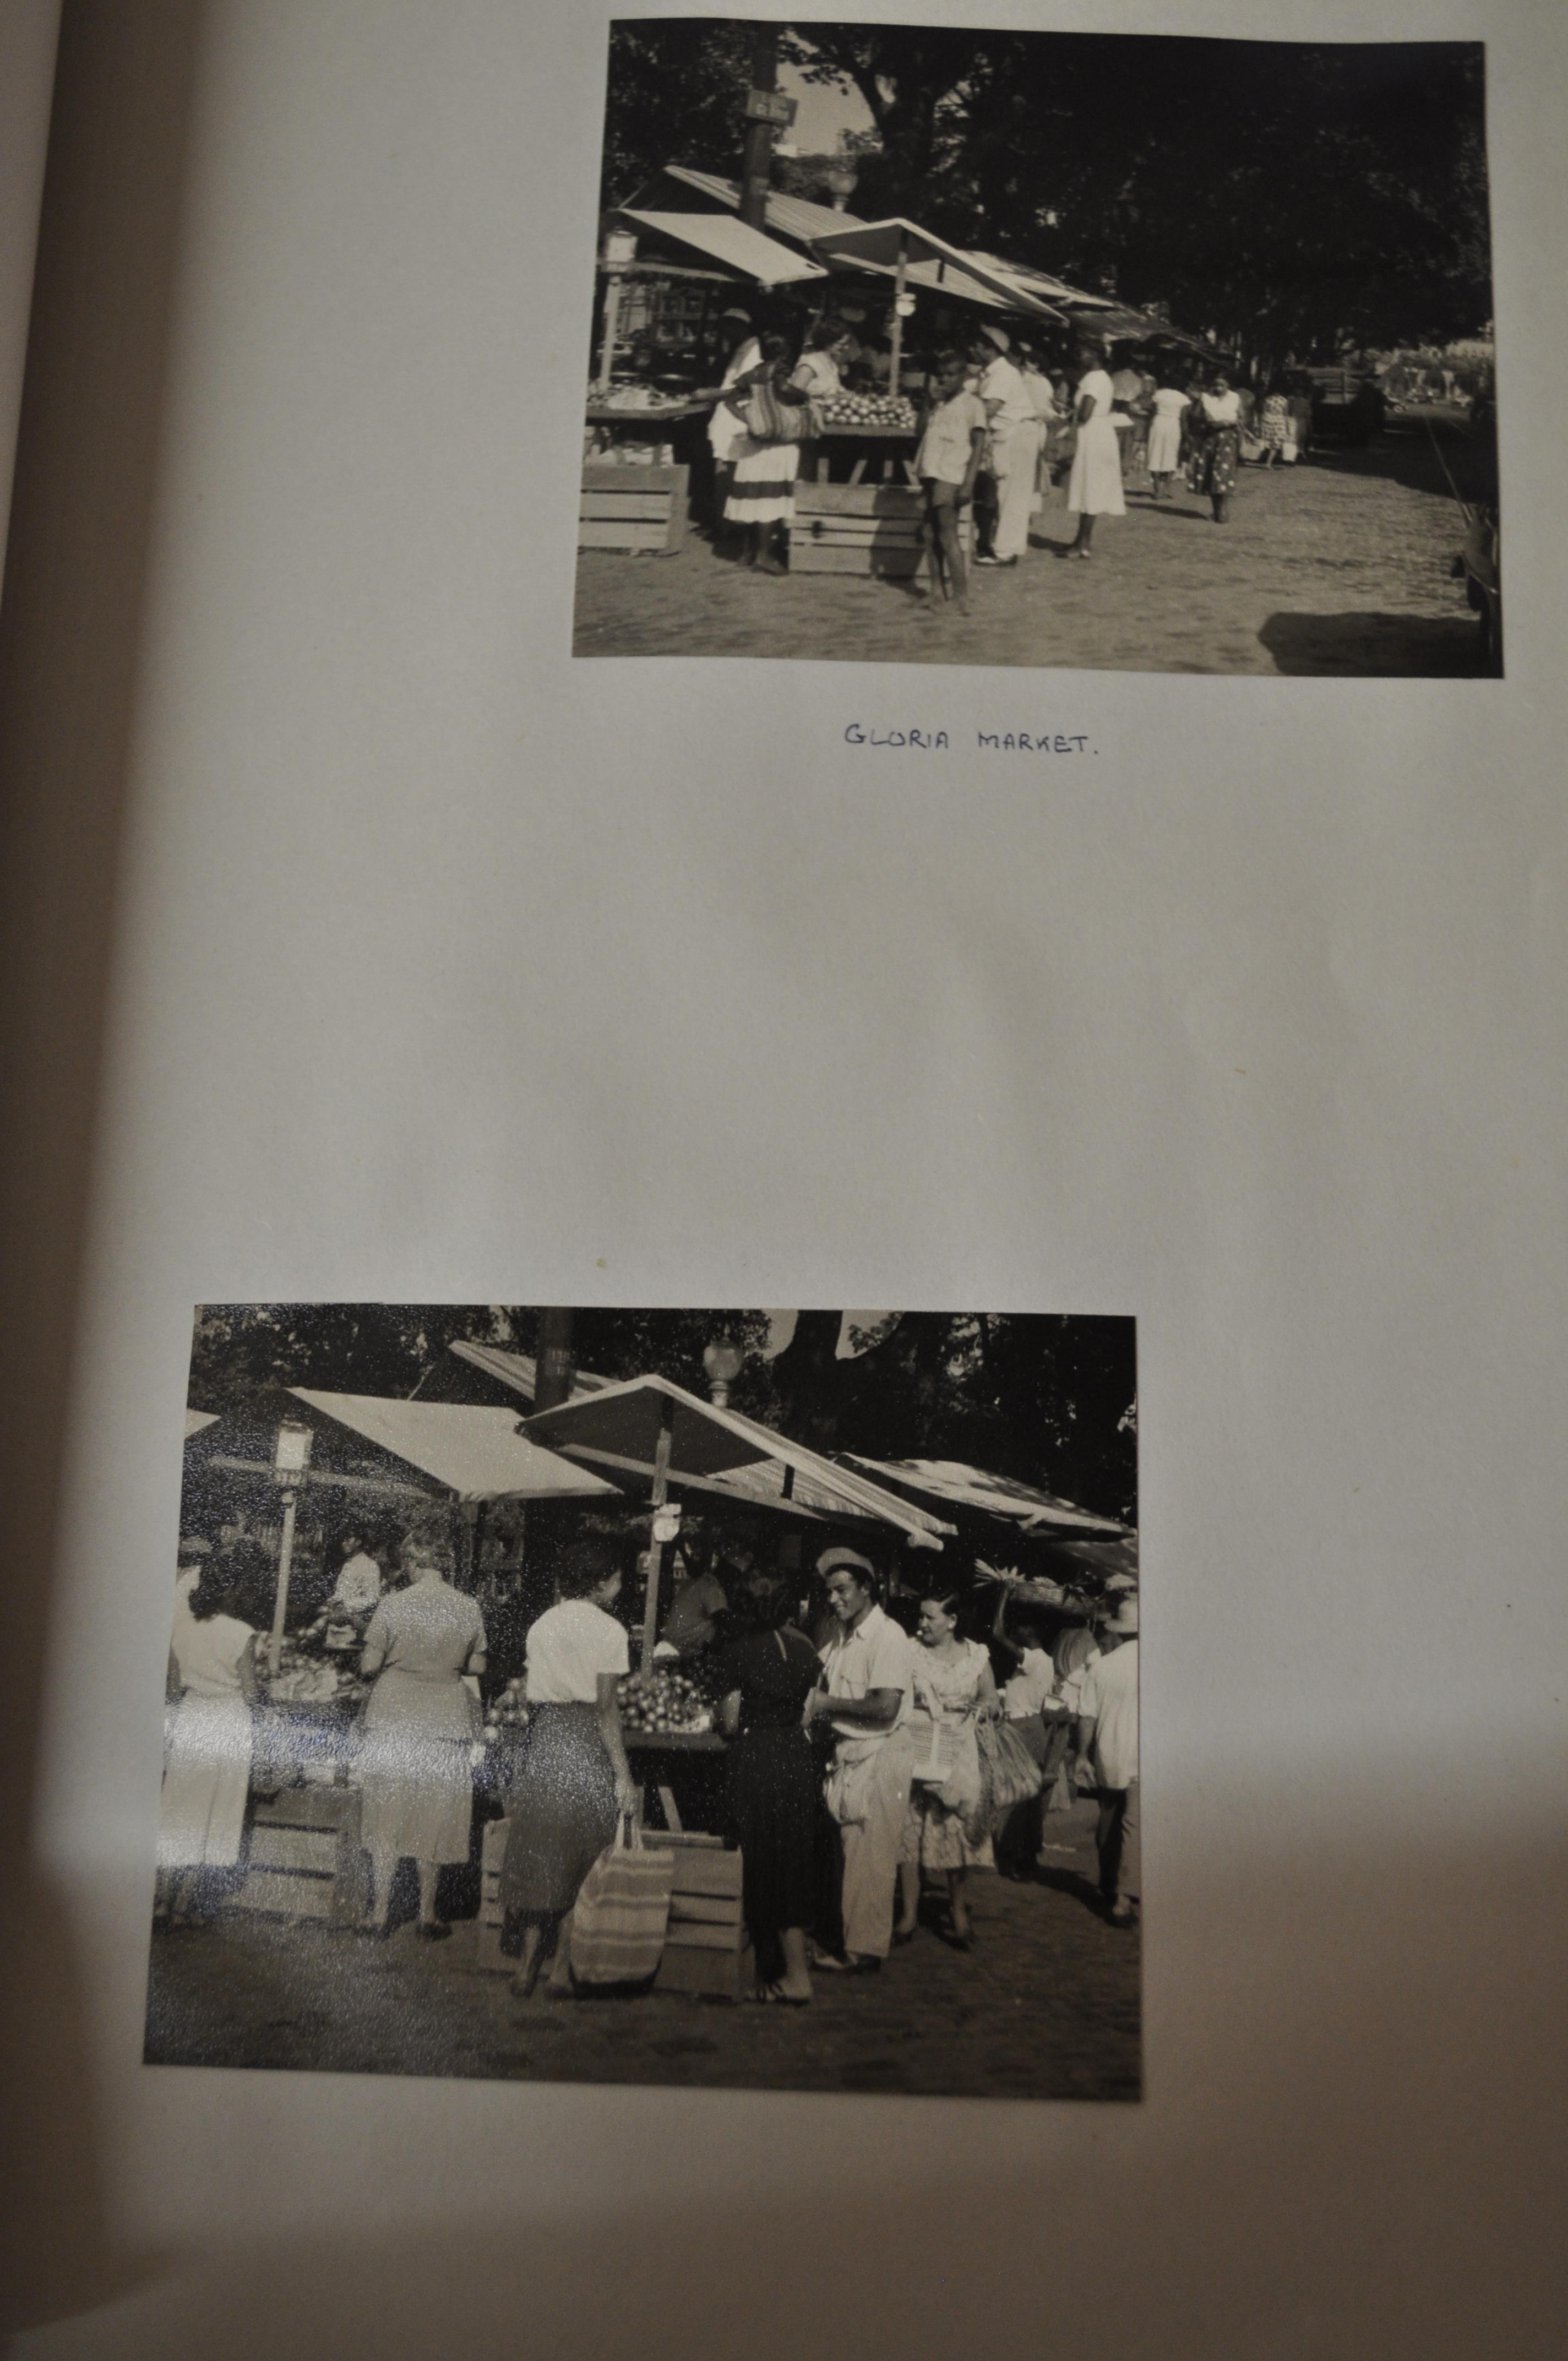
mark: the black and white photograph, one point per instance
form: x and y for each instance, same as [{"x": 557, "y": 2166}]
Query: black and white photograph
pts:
[
  {"x": 712, "y": 1697},
  {"x": 1129, "y": 353}
]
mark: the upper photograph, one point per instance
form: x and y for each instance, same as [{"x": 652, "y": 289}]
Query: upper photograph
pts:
[{"x": 943, "y": 345}]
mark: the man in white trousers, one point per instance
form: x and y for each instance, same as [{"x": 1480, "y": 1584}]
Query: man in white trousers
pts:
[
  {"x": 1016, "y": 433},
  {"x": 868, "y": 1667}
]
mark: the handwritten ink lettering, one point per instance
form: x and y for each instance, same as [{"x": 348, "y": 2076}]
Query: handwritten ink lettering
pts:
[
  {"x": 929, "y": 742},
  {"x": 999, "y": 742}
]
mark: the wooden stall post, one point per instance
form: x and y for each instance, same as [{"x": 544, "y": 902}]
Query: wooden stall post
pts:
[
  {"x": 285, "y": 1567},
  {"x": 896, "y": 341},
  {"x": 656, "y": 1547},
  {"x": 611, "y": 325}
]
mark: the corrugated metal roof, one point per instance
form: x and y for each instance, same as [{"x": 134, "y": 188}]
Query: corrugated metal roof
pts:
[
  {"x": 965, "y": 1486},
  {"x": 734, "y": 243},
  {"x": 471, "y": 1449}
]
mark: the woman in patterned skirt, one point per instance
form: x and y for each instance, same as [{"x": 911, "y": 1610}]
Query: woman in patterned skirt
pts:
[
  {"x": 762, "y": 491},
  {"x": 1215, "y": 421}
]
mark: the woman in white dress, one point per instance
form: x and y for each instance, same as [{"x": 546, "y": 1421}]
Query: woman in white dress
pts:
[
  {"x": 1170, "y": 405},
  {"x": 1094, "y": 487},
  {"x": 945, "y": 1831},
  {"x": 213, "y": 1684}
]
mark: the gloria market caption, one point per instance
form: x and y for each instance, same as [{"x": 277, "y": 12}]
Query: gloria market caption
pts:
[{"x": 992, "y": 742}]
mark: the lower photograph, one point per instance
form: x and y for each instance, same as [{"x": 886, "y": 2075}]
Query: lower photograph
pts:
[{"x": 722, "y": 1699}]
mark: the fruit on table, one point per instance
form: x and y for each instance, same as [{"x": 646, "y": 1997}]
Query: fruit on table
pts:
[
  {"x": 868, "y": 410},
  {"x": 662, "y": 1700}
]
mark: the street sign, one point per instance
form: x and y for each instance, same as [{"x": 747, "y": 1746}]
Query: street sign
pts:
[{"x": 770, "y": 106}]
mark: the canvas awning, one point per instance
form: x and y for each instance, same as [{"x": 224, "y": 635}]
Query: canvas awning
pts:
[
  {"x": 903, "y": 250},
  {"x": 1040, "y": 1514},
  {"x": 619, "y": 1428},
  {"x": 471, "y": 1450},
  {"x": 731, "y": 242}
]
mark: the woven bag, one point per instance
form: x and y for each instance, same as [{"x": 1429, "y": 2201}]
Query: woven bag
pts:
[{"x": 622, "y": 1911}]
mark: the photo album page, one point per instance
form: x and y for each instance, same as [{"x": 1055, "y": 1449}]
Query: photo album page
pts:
[{"x": 677, "y": 675}]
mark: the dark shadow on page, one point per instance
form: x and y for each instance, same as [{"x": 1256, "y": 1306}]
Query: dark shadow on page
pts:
[
  {"x": 70, "y": 632},
  {"x": 1355, "y": 2085},
  {"x": 1422, "y": 647}
]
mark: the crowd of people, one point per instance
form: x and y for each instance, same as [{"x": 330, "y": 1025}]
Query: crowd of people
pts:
[
  {"x": 869, "y": 1764},
  {"x": 997, "y": 432}
]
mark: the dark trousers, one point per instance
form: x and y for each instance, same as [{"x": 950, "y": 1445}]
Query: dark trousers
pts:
[
  {"x": 987, "y": 508},
  {"x": 827, "y": 1923}
]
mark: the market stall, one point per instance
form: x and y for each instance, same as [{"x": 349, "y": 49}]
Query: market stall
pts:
[
  {"x": 665, "y": 280},
  {"x": 304, "y": 1857},
  {"x": 648, "y": 1431}
]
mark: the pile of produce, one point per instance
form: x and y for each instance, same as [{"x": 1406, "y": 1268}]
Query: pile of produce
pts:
[
  {"x": 304, "y": 1679},
  {"x": 662, "y": 1700},
  {"x": 870, "y": 409},
  {"x": 507, "y": 1715}
]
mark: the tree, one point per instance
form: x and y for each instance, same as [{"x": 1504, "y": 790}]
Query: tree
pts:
[{"x": 675, "y": 95}]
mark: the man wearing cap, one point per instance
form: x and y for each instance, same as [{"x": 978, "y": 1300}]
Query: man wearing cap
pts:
[
  {"x": 1108, "y": 1739},
  {"x": 865, "y": 1698},
  {"x": 726, "y": 432},
  {"x": 1014, "y": 445}
]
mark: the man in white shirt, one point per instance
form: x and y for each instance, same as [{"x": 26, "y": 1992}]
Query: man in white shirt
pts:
[
  {"x": 867, "y": 1669},
  {"x": 1014, "y": 446},
  {"x": 1108, "y": 1737}
]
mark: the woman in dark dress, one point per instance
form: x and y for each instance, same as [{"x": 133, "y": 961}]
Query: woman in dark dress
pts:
[{"x": 772, "y": 1780}]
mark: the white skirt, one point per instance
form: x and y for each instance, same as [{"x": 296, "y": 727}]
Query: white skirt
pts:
[
  {"x": 207, "y": 1783},
  {"x": 1094, "y": 488},
  {"x": 762, "y": 489},
  {"x": 1165, "y": 445}
]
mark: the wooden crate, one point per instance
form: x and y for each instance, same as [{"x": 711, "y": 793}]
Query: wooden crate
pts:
[
  {"x": 304, "y": 1858},
  {"x": 633, "y": 507},
  {"x": 706, "y": 1948},
  {"x": 861, "y": 529},
  {"x": 488, "y": 1952}
]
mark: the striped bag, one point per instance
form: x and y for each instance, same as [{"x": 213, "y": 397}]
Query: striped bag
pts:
[{"x": 622, "y": 1910}]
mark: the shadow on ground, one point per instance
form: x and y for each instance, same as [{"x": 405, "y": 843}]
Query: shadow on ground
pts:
[{"x": 1415, "y": 646}]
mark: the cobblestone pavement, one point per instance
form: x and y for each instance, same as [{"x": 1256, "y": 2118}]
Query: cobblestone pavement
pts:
[
  {"x": 1338, "y": 567},
  {"x": 1046, "y": 2007}
]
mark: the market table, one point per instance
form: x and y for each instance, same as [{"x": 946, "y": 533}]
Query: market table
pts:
[
  {"x": 898, "y": 446},
  {"x": 636, "y": 504}
]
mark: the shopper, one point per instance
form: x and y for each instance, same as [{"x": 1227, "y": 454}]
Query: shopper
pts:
[
  {"x": 213, "y": 1684},
  {"x": 865, "y": 1697},
  {"x": 725, "y": 430},
  {"x": 1216, "y": 423},
  {"x": 1108, "y": 1740},
  {"x": 1094, "y": 487},
  {"x": 574, "y": 1782},
  {"x": 1170, "y": 405},
  {"x": 766, "y": 1672},
  {"x": 424, "y": 1643},
  {"x": 944, "y": 1833},
  {"x": 1024, "y": 1699},
  {"x": 761, "y": 490}
]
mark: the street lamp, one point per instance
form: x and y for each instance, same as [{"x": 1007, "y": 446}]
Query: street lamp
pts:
[
  {"x": 290, "y": 1468},
  {"x": 841, "y": 181},
  {"x": 724, "y": 1361}
]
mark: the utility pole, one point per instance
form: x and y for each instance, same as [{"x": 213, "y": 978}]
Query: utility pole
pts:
[
  {"x": 553, "y": 1377},
  {"x": 761, "y": 126}
]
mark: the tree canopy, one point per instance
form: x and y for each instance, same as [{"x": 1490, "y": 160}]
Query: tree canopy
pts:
[
  {"x": 1047, "y": 1399},
  {"x": 1283, "y": 197}
]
